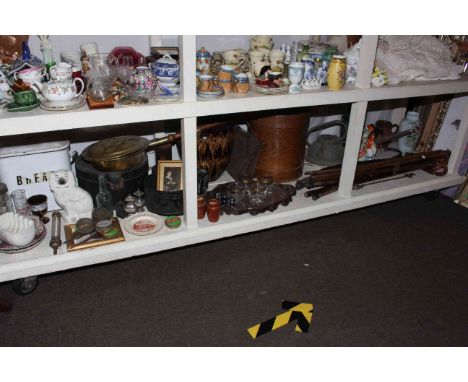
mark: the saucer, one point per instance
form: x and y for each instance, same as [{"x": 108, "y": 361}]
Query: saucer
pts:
[
  {"x": 215, "y": 93},
  {"x": 14, "y": 107},
  {"x": 38, "y": 237},
  {"x": 62, "y": 106},
  {"x": 167, "y": 97}
]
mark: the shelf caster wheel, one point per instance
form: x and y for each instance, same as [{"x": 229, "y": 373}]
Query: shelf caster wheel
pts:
[
  {"x": 432, "y": 195},
  {"x": 25, "y": 286}
]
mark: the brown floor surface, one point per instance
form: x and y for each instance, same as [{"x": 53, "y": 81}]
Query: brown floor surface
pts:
[{"x": 388, "y": 275}]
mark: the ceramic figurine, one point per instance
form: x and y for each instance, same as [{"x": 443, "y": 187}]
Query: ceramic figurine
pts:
[
  {"x": 379, "y": 77},
  {"x": 76, "y": 202},
  {"x": 368, "y": 148},
  {"x": 46, "y": 49},
  {"x": 203, "y": 61},
  {"x": 16, "y": 229}
]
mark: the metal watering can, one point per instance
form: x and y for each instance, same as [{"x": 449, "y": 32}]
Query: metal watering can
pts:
[{"x": 327, "y": 150}]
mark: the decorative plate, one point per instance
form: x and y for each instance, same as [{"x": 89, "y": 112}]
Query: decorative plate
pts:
[
  {"x": 142, "y": 224},
  {"x": 38, "y": 237},
  {"x": 76, "y": 103},
  {"x": 264, "y": 90},
  {"x": 14, "y": 107},
  {"x": 215, "y": 93}
]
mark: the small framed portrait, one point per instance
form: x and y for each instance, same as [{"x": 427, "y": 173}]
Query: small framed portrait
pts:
[{"x": 169, "y": 175}]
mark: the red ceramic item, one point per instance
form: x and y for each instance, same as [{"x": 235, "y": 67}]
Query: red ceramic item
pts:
[{"x": 120, "y": 52}]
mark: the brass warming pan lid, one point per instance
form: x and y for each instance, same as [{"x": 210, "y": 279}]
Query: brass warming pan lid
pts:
[{"x": 115, "y": 148}]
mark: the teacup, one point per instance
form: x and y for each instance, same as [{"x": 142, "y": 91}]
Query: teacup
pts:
[
  {"x": 231, "y": 57},
  {"x": 226, "y": 72},
  {"x": 60, "y": 91},
  {"x": 261, "y": 42},
  {"x": 61, "y": 72},
  {"x": 273, "y": 78},
  {"x": 30, "y": 75},
  {"x": 226, "y": 85},
  {"x": 241, "y": 83},
  {"x": 205, "y": 82},
  {"x": 25, "y": 98},
  {"x": 277, "y": 60}
]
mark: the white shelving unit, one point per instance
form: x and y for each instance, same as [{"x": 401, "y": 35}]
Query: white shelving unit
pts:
[{"x": 41, "y": 260}]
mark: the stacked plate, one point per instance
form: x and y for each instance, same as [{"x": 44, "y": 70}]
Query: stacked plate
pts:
[
  {"x": 38, "y": 237},
  {"x": 215, "y": 93},
  {"x": 75, "y": 103},
  {"x": 143, "y": 224}
]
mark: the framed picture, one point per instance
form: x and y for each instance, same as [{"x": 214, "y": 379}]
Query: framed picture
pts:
[{"x": 169, "y": 175}]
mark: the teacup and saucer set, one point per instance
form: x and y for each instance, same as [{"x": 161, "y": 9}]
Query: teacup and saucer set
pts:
[
  {"x": 207, "y": 87},
  {"x": 25, "y": 100}
]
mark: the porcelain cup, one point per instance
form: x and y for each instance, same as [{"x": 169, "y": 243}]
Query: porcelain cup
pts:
[
  {"x": 60, "y": 91},
  {"x": 61, "y": 72},
  {"x": 226, "y": 72},
  {"x": 30, "y": 75},
  {"x": 241, "y": 83},
  {"x": 277, "y": 60},
  {"x": 231, "y": 57},
  {"x": 25, "y": 98},
  {"x": 296, "y": 72},
  {"x": 257, "y": 42},
  {"x": 205, "y": 82}
]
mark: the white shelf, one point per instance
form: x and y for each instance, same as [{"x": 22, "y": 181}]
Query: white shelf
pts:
[
  {"x": 41, "y": 260},
  {"x": 39, "y": 120}
]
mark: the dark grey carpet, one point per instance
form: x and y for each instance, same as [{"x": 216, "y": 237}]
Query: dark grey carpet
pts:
[{"x": 389, "y": 275}]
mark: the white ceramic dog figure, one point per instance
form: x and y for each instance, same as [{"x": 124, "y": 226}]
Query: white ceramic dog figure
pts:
[{"x": 75, "y": 201}]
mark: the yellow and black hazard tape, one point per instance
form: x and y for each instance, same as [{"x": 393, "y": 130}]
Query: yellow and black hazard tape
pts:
[{"x": 302, "y": 312}]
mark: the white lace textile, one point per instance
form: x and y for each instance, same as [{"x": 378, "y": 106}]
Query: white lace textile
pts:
[{"x": 421, "y": 58}]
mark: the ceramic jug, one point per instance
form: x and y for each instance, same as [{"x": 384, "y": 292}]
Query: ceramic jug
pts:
[{"x": 407, "y": 143}]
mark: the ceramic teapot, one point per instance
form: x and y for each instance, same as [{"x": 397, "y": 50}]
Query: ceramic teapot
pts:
[
  {"x": 60, "y": 91},
  {"x": 166, "y": 69}
]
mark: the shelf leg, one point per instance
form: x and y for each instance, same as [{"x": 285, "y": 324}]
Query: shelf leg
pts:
[
  {"x": 460, "y": 144},
  {"x": 366, "y": 60},
  {"x": 189, "y": 154},
  {"x": 353, "y": 141},
  {"x": 187, "y": 50}
]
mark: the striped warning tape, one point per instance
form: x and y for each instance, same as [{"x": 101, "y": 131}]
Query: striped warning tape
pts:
[{"x": 302, "y": 312}]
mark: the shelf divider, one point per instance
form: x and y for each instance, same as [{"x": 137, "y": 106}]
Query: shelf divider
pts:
[
  {"x": 187, "y": 50},
  {"x": 189, "y": 155},
  {"x": 367, "y": 54},
  {"x": 353, "y": 141}
]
